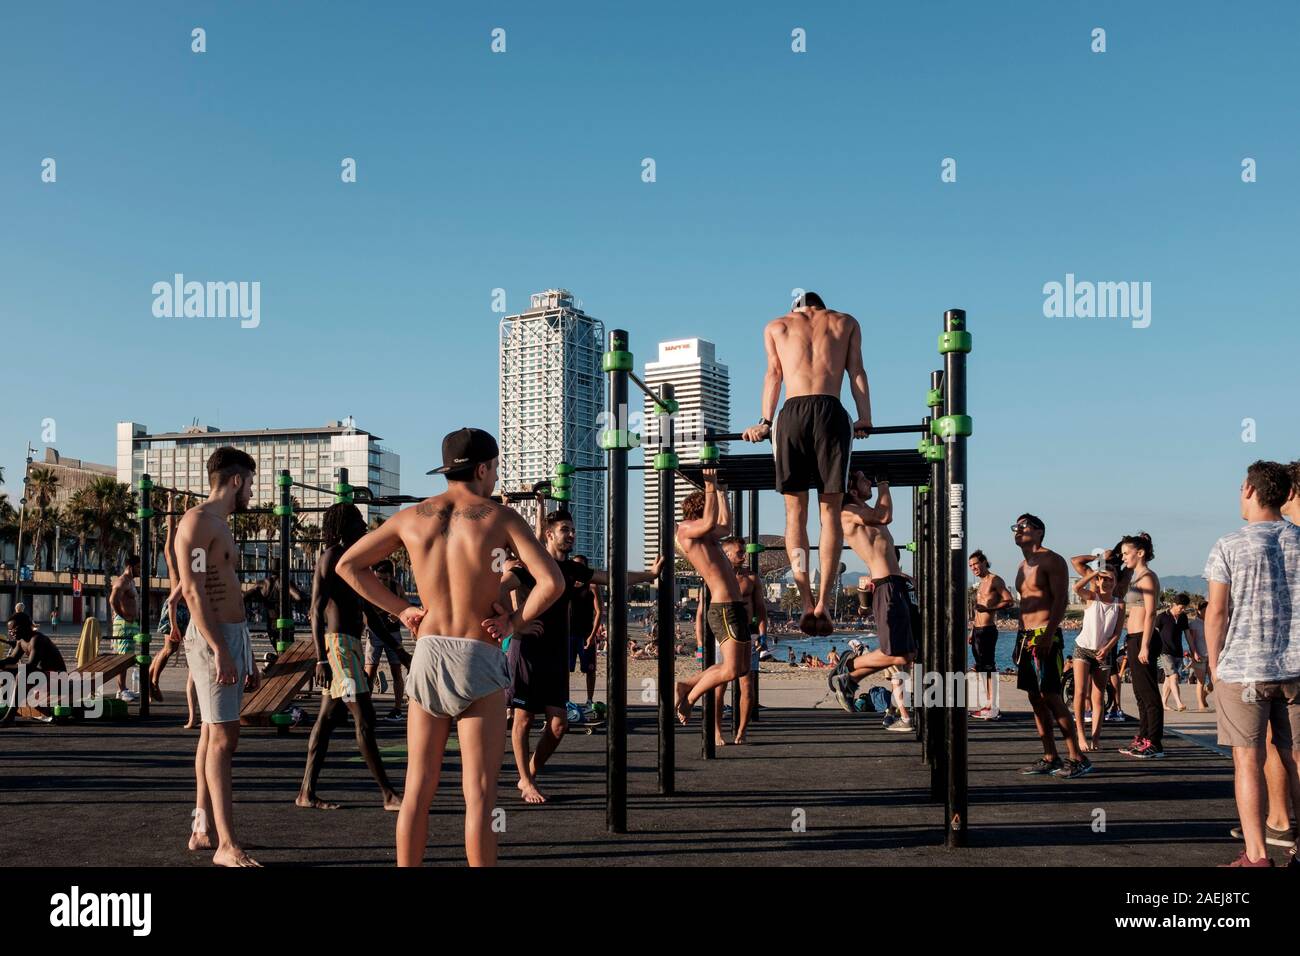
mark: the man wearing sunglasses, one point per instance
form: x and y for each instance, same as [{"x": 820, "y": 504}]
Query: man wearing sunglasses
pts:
[{"x": 1042, "y": 582}]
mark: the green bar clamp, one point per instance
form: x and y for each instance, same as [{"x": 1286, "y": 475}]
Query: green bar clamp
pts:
[
  {"x": 281, "y": 510},
  {"x": 952, "y": 426},
  {"x": 666, "y": 461},
  {"x": 342, "y": 493},
  {"x": 284, "y": 624},
  {"x": 954, "y": 342},
  {"x": 564, "y": 469},
  {"x": 284, "y": 481},
  {"x": 142, "y": 659},
  {"x": 618, "y": 361},
  {"x": 934, "y": 398},
  {"x": 923, "y": 489},
  {"x": 934, "y": 452},
  {"x": 144, "y": 484},
  {"x": 754, "y": 548},
  {"x": 282, "y": 646},
  {"x": 561, "y": 494},
  {"x": 709, "y": 452},
  {"x": 282, "y": 720},
  {"x": 910, "y": 546},
  {"x": 667, "y": 406},
  {"x": 562, "y": 482},
  {"x": 618, "y": 439},
  {"x": 144, "y": 512}
]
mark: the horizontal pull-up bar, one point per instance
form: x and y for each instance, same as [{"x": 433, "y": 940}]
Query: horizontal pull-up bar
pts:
[{"x": 874, "y": 430}]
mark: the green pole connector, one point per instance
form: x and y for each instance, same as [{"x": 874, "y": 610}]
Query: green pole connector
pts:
[
  {"x": 281, "y": 510},
  {"x": 709, "y": 452},
  {"x": 952, "y": 426},
  {"x": 618, "y": 361},
  {"x": 282, "y": 480},
  {"x": 923, "y": 489},
  {"x": 561, "y": 494},
  {"x": 342, "y": 493},
  {"x": 954, "y": 342},
  {"x": 144, "y": 484},
  {"x": 754, "y": 547},
  {"x": 562, "y": 482},
  {"x": 934, "y": 452},
  {"x": 144, "y": 512},
  {"x": 142, "y": 659},
  {"x": 564, "y": 469},
  {"x": 622, "y": 439},
  {"x": 934, "y": 398},
  {"x": 282, "y": 646},
  {"x": 668, "y": 406},
  {"x": 666, "y": 461},
  {"x": 910, "y": 546}
]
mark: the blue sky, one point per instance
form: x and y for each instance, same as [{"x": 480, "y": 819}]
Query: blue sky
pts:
[{"x": 775, "y": 170}]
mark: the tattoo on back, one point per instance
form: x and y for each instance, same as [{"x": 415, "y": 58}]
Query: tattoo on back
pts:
[{"x": 446, "y": 513}]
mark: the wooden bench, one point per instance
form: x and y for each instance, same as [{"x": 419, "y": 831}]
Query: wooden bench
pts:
[
  {"x": 108, "y": 665},
  {"x": 281, "y": 682}
]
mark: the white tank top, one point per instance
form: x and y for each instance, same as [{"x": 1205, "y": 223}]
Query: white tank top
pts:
[{"x": 1098, "y": 623}]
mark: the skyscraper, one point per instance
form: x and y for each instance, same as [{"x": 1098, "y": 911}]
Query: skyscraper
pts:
[
  {"x": 552, "y": 399},
  {"x": 704, "y": 397}
]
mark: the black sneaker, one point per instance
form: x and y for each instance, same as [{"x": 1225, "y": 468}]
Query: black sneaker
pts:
[
  {"x": 395, "y": 717},
  {"x": 1070, "y": 769},
  {"x": 842, "y": 688},
  {"x": 1042, "y": 766},
  {"x": 1147, "y": 752}
]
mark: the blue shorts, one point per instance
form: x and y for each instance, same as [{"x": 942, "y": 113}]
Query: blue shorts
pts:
[{"x": 579, "y": 652}]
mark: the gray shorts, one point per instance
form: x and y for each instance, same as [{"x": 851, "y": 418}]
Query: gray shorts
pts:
[
  {"x": 448, "y": 674},
  {"x": 1245, "y": 710},
  {"x": 218, "y": 703},
  {"x": 376, "y": 649},
  {"x": 1171, "y": 667}
]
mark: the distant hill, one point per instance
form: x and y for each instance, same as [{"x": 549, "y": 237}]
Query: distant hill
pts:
[{"x": 1193, "y": 584}]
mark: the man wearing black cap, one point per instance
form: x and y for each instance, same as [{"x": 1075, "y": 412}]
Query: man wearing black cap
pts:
[
  {"x": 1043, "y": 582},
  {"x": 456, "y": 541}
]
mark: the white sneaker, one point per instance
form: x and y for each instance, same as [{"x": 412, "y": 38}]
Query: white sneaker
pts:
[{"x": 129, "y": 696}]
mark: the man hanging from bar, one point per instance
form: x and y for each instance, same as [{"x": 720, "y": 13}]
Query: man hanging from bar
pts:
[
  {"x": 706, "y": 520},
  {"x": 810, "y": 349}
]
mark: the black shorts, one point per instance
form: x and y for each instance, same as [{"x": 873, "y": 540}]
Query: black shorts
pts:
[
  {"x": 984, "y": 644},
  {"x": 811, "y": 443},
  {"x": 579, "y": 652},
  {"x": 893, "y": 615},
  {"x": 1043, "y": 675},
  {"x": 729, "y": 621},
  {"x": 538, "y": 678}
]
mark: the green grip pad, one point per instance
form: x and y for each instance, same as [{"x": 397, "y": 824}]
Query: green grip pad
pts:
[
  {"x": 618, "y": 361},
  {"x": 954, "y": 342}
]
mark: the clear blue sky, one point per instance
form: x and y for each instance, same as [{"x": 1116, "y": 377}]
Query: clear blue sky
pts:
[{"x": 775, "y": 170}]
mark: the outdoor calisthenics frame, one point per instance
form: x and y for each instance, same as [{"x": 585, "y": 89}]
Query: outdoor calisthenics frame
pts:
[{"x": 936, "y": 469}]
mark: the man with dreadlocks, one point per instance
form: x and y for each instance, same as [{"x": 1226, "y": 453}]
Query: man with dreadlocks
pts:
[{"x": 336, "y": 620}]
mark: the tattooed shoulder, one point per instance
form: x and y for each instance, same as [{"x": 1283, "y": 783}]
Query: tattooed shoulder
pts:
[{"x": 474, "y": 512}]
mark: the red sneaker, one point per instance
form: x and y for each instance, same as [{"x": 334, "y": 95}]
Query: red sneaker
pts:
[{"x": 1244, "y": 860}]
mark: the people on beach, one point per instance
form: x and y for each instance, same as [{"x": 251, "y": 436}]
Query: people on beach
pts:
[
  {"x": 458, "y": 672},
  {"x": 1141, "y": 589},
  {"x": 384, "y": 641},
  {"x": 337, "y": 615},
  {"x": 991, "y": 595},
  {"x": 1253, "y": 637},
  {"x": 1042, "y": 581},
  {"x": 1094, "y": 648},
  {"x": 1171, "y": 625},
  {"x": 811, "y": 349},
  {"x": 217, "y": 647},
  {"x": 124, "y": 602}
]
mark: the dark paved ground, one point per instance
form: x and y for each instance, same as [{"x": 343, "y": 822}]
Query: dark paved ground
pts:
[{"x": 110, "y": 794}]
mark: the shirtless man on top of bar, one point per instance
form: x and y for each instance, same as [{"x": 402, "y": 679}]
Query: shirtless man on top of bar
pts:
[{"x": 811, "y": 349}]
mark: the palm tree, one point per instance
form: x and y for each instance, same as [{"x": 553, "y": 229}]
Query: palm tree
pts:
[
  {"x": 112, "y": 505},
  {"x": 8, "y": 520},
  {"x": 42, "y": 487},
  {"x": 79, "y": 519}
]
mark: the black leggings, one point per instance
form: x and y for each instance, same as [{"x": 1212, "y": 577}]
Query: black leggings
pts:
[{"x": 1146, "y": 688}]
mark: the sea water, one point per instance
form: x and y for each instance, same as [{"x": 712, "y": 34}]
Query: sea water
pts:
[{"x": 821, "y": 646}]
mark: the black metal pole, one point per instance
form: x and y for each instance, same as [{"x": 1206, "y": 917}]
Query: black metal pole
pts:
[
  {"x": 937, "y": 720},
  {"x": 617, "y": 365},
  {"x": 666, "y": 466},
  {"x": 758, "y": 583},
  {"x": 954, "y": 429},
  {"x": 146, "y": 577},
  {"x": 285, "y": 512},
  {"x": 919, "y": 591},
  {"x": 922, "y": 538},
  {"x": 708, "y": 746}
]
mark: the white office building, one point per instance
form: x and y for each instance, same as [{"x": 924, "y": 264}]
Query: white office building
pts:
[
  {"x": 552, "y": 399},
  {"x": 312, "y": 456},
  {"x": 703, "y": 393}
]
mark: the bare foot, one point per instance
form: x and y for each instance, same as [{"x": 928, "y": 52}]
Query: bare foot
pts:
[
  {"x": 719, "y": 742},
  {"x": 310, "y": 802},
  {"x": 1096, "y": 744},
  {"x": 825, "y": 627},
  {"x": 190, "y": 724},
  {"x": 530, "y": 792},
  {"x": 808, "y": 623},
  {"x": 200, "y": 841},
  {"x": 392, "y": 802},
  {"x": 233, "y": 856},
  {"x": 740, "y": 739},
  {"x": 683, "y": 704}
]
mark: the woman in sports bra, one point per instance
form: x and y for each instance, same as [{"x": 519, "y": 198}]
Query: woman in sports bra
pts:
[
  {"x": 1092, "y": 648},
  {"x": 1141, "y": 597}
]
